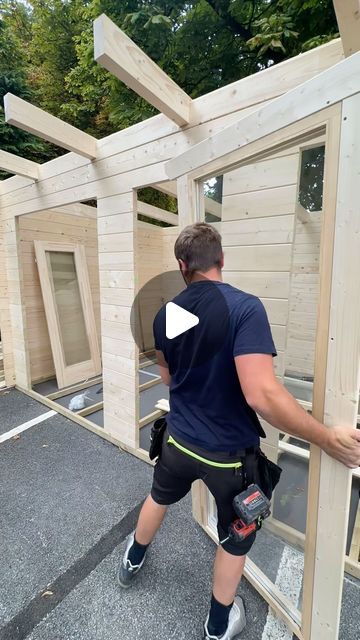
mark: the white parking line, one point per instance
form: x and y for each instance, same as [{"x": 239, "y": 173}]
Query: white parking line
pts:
[
  {"x": 289, "y": 581},
  {"x": 26, "y": 425}
]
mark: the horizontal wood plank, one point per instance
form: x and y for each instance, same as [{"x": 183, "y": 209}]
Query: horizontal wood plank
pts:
[{"x": 258, "y": 258}]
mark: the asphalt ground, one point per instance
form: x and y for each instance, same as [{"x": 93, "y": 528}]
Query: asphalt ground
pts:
[{"x": 68, "y": 501}]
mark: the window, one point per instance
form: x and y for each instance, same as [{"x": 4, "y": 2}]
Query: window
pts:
[
  {"x": 213, "y": 194},
  {"x": 311, "y": 182}
]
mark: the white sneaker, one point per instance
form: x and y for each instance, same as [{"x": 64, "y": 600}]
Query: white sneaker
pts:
[
  {"x": 127, "y": 571},
  {"x": 237, "y": 622}
]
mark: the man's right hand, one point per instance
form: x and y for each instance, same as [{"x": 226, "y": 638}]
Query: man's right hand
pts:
[{"x": 343, "y": 444}]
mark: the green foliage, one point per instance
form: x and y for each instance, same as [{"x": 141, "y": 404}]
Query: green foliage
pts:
[
  {"x": 13, "y": 78},
  {"x": 158, "y": 199},
  {"x": 274, "y": 32},
  {"x": 46, "y": 53}
]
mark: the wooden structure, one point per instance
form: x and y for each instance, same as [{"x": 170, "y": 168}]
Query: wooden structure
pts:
[{"x": 253, "y": 132}]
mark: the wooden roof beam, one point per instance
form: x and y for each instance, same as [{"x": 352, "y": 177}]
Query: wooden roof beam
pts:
[
  {"x": 20, "y": 166},
  {"x": 328, "y": 88},
  {"x": 156, "y": 213},
  {"x": 117, "y": 53},
  {"x": 24, "y": 115},
  {"x": 348, "y": 18},
  {"x": 170, "y": 188}
]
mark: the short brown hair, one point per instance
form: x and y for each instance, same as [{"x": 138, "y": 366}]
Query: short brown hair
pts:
[{"x": 199, "y": 246}]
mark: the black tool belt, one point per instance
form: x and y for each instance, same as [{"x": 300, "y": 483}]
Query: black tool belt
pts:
[{"x": 258, "y": 469}]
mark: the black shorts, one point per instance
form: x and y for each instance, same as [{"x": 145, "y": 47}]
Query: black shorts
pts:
[{"x": 175, "y": 472}]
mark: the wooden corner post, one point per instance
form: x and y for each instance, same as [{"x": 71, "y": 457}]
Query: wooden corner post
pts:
[
  {"x": 16, "y": 307},
  {"x": 117, "y": 240},
  {"x": 337, "y": 370},
  {"x": 187, "y": 194}
]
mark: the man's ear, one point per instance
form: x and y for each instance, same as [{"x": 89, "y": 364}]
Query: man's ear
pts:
[{"x": 182, "y": 266}]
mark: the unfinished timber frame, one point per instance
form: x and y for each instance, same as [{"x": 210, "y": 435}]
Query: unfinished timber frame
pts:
[{"x": 315, "y": 94}]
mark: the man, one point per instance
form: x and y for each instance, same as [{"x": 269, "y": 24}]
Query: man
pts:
[{"x": 213, "y": 429}]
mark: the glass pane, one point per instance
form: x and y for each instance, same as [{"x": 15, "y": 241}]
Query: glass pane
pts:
[
  {"x": 69, "y": 307},
  {"x": 213, "y": 195},
  {"x": 312, "y": 178}
]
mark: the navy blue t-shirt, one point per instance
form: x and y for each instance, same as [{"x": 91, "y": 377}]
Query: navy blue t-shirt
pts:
[{"x": 207, "y": 406}]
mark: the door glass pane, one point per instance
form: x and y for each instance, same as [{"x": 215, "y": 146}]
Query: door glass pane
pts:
[{"x": 72, "y": 326}]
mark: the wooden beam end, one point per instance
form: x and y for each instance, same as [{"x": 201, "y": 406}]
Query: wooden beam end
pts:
[
  {"x": 119, "y": 55},
  {"x": 19, "y": 166},
  {"x": 99, "y": 26}
]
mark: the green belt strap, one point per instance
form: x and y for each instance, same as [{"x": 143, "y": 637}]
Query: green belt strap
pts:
[{"x": 221, "y": 465}]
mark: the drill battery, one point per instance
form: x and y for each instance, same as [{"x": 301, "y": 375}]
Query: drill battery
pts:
[
  {"x": 252, "y": 507},
  {"x": 251, "y": 504}
]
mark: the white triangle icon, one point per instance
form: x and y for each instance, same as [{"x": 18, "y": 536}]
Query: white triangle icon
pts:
[{"x": 178, "y": 320}]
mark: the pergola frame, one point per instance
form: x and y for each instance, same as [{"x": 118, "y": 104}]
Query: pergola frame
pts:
[{"x": 120, "y": 164}]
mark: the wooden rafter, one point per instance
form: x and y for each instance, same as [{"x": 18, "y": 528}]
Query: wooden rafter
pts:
[
  {"x": 169, "y": 188},
  {"x": 24, "y": 115},
  {"x": 20, "y": 166},
  {"x": 117, "y": 53},
  {"x": 328, "y": 88},
  {"x": 156, "y": 213},
  {"x": 348, "y": 18}
]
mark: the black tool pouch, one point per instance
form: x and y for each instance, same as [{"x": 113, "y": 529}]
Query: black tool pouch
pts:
[
  {"x": 261, "y": 471},
  {"x": 268, "y": 474},
  {"x": 156, "y": 438}
]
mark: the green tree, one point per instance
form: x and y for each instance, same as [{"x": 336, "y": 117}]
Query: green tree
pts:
[
  {"x": 13, "y": 78},
  {"x": 201, "y": 44}
]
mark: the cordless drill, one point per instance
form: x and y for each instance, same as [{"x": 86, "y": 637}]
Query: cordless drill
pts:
[{"x": 252, "y": 507}]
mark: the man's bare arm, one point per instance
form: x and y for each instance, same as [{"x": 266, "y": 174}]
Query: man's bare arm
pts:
[
  {"x": 164, "y": 369},
  {"x": 269, "y": 398}
]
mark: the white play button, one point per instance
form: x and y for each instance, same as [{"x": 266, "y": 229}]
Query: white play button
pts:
[{"x": 178, "y": 320}]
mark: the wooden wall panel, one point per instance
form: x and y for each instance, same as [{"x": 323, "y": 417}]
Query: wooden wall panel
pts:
[
  {"x": 304, "y": 297},
  {"x": 272, "y": 255},
  {"x": 149, "y": 266},
  {"x": 62, "y": 227},
  {"x": 269, "y": 174},
  {"x": 257, "y": 231},
  {"x": 117, "y": 292},
  {"x": 16, "y": 307},
  {"x": 254, "y": 204},
  {"x": 7, "y": 362},
  {"x": 172, "y": 282},
  {"x": 258, "y": 218}
]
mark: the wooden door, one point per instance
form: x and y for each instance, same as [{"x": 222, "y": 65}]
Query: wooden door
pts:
[{"x": 69, "y": 311}]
